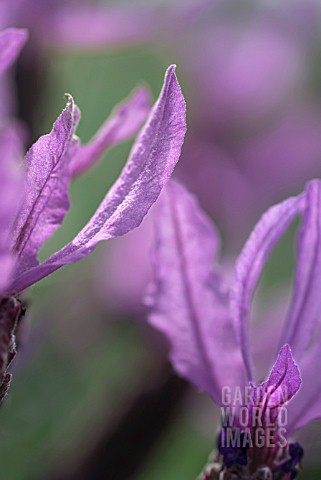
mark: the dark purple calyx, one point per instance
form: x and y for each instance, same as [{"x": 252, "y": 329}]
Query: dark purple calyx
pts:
[
  {"x": 239, "y": 460},
  {"x": 10, "y": 313},
  {"x": 292, "y": 465},
  {"x": 236, "y": 454}
]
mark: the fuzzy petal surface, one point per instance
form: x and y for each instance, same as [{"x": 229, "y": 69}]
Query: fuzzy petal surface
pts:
[
  {"x": 47, "y": 181},
  {"x": 188, "y": 302},
  {"x": 306, "y": 406},
  {"x": 151, "y": 162},
  {"x": 284, "y": 380}
]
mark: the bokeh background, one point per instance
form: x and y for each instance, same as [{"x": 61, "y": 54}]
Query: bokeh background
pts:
[{"x": 93, "y": 396}]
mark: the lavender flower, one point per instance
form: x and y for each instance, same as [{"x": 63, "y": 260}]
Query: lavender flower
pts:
[
  {"x": 34, "y": 197},
  {"x": 206, "y": 322},
  {"x": 54, "y": 158}
]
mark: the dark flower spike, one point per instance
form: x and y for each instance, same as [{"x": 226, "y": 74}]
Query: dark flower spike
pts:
[
  {"x": 296, "y": 452},
  {"x": 232, "y": 455},
  {"x": 292, "y": 465},
  {"x": 151, "y": 162},
  {"x": 10, "y": 311}
]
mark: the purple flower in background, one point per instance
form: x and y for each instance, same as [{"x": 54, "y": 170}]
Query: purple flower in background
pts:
[
  {"x": 11, "y": 42},
  {"x": 34, "y": 195},
  {"x": 206, "y": 322},
  {"x": 79, "y": 23},
  {"x": 254, "y": 112},
  {"x": 71, "y": 24}
]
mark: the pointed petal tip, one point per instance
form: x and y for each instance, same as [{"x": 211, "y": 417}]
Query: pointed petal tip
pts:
[
  {"x": 285, "y": 354},
  {"x": 314, "y": 183},
  {"x": 284, "y": 380},
  {"x": 69, "y": 100},
  {"x": 73, "y": 110},
  {"x": 141, "y": 90},
  {"x": 140, "y": 98},
  {"x": 170, "y": 74},
  {"x": 286, "y": 350},
  {"x": 142, "y": 94},
  {"x": 171, "y": 69},
  {"x": 23, "y": 33}
]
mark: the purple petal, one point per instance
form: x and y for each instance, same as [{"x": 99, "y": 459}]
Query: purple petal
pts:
[
  {"x": 284, "y": 380},
  {"x": 47, "y": 180},
  {"x": 11, "y": 42},
  {"x": 10, "y": 191},
  {"x": 306, "y": 406},
  {"x": 7, "y": 262},
  {"x": 251, "y": 262},
  {"x": 151, "y": 162},
  {"x": 304, "y": 311},
  {"x": 187, "y": 301},
  {"x": 122, "y": 124}
]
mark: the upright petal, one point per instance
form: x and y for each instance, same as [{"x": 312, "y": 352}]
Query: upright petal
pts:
[
  {"x": 47, "y": 180},
  {"x": 187, "y": 301},
  {"x": 284, "y": 380},
  {"x": 11, "y": 42},
  {"x": 151, "y": 162},
  {"x": 251, "y": 262},
  {"x": 124, "y": 122},
  {"x": 306, "y": 406},
  {"x": 304, "y": 312}
]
